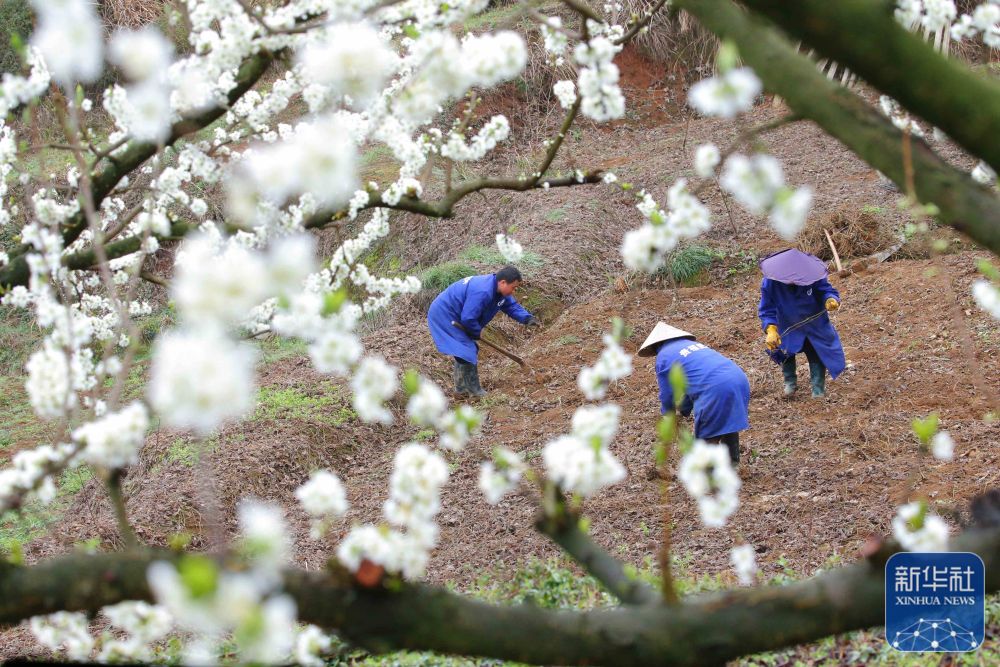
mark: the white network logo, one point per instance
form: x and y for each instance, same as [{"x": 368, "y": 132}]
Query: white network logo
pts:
[{"x": 935, "y": 635}]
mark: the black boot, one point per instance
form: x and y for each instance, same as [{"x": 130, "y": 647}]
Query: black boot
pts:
[
  {"x": 459, "y": 377},
  {"x": 788, "y": 371},
  {"x": 732, "y": 441},
  {"x": 472, "y": 386}
]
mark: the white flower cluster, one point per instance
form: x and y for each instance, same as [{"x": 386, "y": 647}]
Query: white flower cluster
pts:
[
  {"x": 501, "y": 475},
  {"x": 244, "y": 604},
  {"x": 613, "y": 364},
  {"x": 565, "y": 92},
  {"x": 554, "y": 39},
  {"x": 374, "y": 382},
  {"x": 64, "y": 631},
  {"x": 143, "y": 624},
  {"x": 985, "y": 19},
  {"x": 708, "y": 476},
  {"x": 581, "y": 462},
  {"x": 987, "y": 296},
  {"x": 414, "y": 500},
  {"x": 942, "y": 446},
  {"x": 310, "y": 645},
  {"x": 323, "y": 498},
  {"x": 645, "y": 248},
  {"x": 201, "y": 379},
  {"x": 706, "y": 159},
  {"x": 758, "y": 184},
  {"x": 114, "y": 440},
  {"x": 917, "y": 529},
  {"x": 457, "y": 426},
  {"x": 70, "y": 39},
  {"x": 427, "y": 404},
  {"x": 349, "y": 59},
  {"x": 726, "y": 95},
  {"x": 745, "y": 563},
  {"x": 497, "y": 129},
  {"x": 141, "y": 110},
  {"x": 510, "y": 249},
  {"x": 16, "y": 90},
  {"x": 601, "y": 98}
]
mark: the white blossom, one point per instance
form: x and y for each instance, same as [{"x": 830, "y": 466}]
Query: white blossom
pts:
[
  {"x": 500, "y": 476},
  {"x": 114, "y": 440},
  {"x": 200, "y": 380},
  {"x": 565, "y": 92},
  {"x": 310, "y": 645},
  {"x": 427, "y": 404},
  {"x": 942, "y": 446},
  {"x": 745, "y": 563},
  {"x": 373, "y": 383},
  {"x": 708, "y": 476},
  {"x": 510, "y": 249},
  {"x": 706, "y": 159},
  {"x": 932, "y": 535},
  {"x": 350, "y": 59},
  {"x": 725, "y": 95},
  {"x": 984, "y": 174},
  {"x": 64, "y": 631},
  {"x": 789, "y": 212},
  {"x": 987, "y": 296},
  {"x": 754, "y": 182},
  {"x": 581, "y": 467}
]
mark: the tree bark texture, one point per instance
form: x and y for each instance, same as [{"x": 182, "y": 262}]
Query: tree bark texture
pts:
[
  {"x": 964, "y": 204},
  {"x": 703, "y": 630}
]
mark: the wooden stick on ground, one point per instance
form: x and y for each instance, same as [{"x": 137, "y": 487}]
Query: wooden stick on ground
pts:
[
  {"x": 509, "y": 355},
  {"x": 836, "y": 257}
]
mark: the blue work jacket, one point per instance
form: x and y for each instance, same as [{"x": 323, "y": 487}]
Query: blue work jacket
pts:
[
  {"x": 717, "y": 388},
  {"x": 472, "y": 302},
  {"x": 786, "y": 305}
]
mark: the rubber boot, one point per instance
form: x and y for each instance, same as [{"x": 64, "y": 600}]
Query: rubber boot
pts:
[
  {"x": 459, "y": 377},
  {"x": 472, "y": 385},
  {"x": 788, "y": 370},
  {"x": 817, "y": 378}
]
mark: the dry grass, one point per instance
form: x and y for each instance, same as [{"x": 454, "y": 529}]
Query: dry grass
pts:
[
  {"x": 675, "y": 39},
  {"x": 130, "y": 13},
  {"x": 855, "y": 233}
]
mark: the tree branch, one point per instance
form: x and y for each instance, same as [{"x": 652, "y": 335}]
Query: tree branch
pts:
[
  {"x": 705, "y": 629},
  {"x": 964, "y": 204},
  {"x": 565, "y": 531},
  {"x": 105, "y": 179},
  {"x": 865, "y": 37}
]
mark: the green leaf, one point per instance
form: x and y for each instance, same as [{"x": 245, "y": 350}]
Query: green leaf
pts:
[
  {"x": 987, "y": 269},
  {"x": 727, "y": 57},
  {"x": 199, "y": 574},
  {"x": 666, "y": 428},
  {"x": 584, "y": 524},
  {"x": 917, "y": 521},
  {"x": 411, "y": 31},
  {"x": 332, "y": 301},
  {"x": 179, "y": 541},
  {"x": 16, "y": 555},
  {"x": 411, "y": 381},
  {"x": 678, "y": 382},
  {"x": 926, "y": 428},
  {"x": 79, "y": 95}
]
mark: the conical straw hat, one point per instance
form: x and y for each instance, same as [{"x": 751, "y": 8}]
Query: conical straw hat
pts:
[{"x": 660, "y": 333}]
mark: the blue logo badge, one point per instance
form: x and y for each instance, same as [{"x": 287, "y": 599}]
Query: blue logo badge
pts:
[{"x": 935, "y": 601}]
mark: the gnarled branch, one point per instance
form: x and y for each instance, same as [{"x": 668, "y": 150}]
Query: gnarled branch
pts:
[
  {"x": 964, "y": 204},
  {"x": 704, "y": 629}
]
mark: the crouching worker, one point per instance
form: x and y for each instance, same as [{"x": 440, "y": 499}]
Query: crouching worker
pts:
[
  {"x": 795, "y": 297},
  {"x": 470, "y": 304},
  {"x": 717, "y": 389}
]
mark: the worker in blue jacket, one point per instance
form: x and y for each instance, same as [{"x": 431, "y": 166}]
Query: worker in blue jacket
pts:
[
  {"x": 718, "y": 391},
  {"x": 472, "y": 302},
  {"x": 795, "y": 319}
]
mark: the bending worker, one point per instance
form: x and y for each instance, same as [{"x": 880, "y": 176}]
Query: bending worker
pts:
[
  {"x": 795, "y": 299},
  {"x": 471, "y": 303},
  {"x": 717, "y": 389}
]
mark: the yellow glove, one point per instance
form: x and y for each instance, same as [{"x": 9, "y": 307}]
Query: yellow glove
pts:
[
  {"x": 832, "y": 304},
  {"x": 773, "y": 340}
]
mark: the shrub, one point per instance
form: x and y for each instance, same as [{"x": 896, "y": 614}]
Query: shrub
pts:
[
  {"x": 685, "y": 264},
  {"x": 437, "y": 278}
]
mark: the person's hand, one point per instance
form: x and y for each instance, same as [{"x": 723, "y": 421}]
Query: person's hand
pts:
[
  {"x": 773, "y": 340},
  {"x": 832, "y": 304},
  {"x": 533, "y": 322}
]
